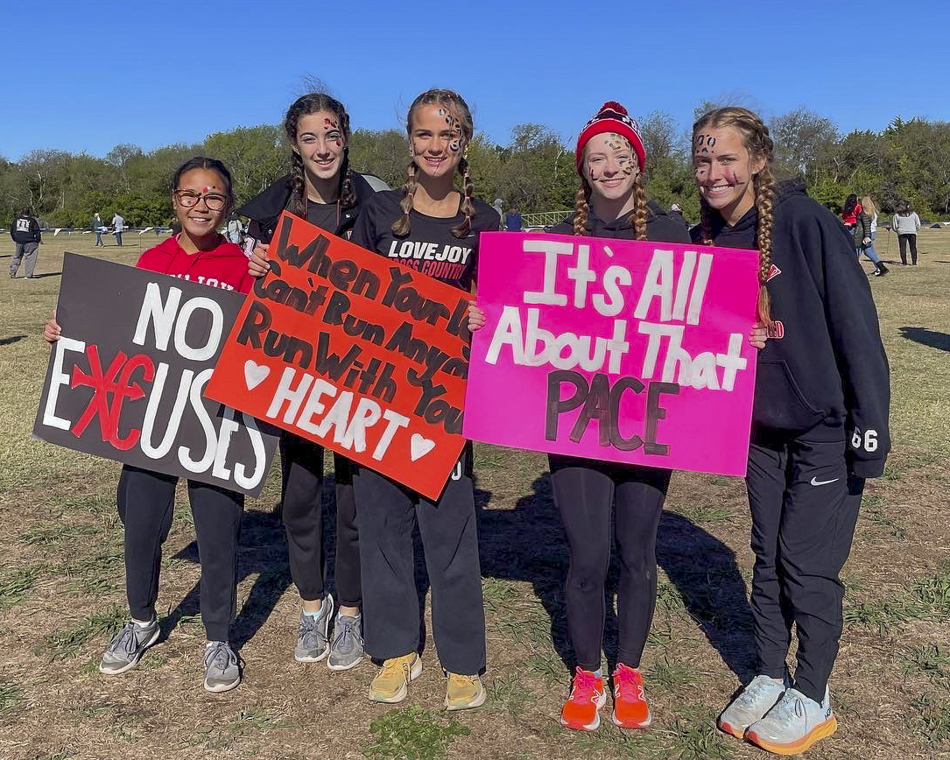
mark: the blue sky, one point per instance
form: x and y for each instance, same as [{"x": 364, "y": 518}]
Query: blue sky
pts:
[{"x": 87, "y": 76}]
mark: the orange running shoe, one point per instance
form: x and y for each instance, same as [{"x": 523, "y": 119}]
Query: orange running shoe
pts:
[
  {"x": 630, "y": 703},
  {"x": 581, "y": 712}
]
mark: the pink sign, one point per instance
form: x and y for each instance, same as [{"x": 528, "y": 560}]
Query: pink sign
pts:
[{"x": 618, "y": 350}]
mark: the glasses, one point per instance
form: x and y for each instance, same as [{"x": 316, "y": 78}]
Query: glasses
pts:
[{"x": 189, "y": 198}]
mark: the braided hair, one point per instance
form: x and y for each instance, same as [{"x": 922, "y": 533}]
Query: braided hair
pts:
[
  {"x": 305, "y": 105},
  {"x": 460, "y": 117},
  {"x": 755, "y": 136}
]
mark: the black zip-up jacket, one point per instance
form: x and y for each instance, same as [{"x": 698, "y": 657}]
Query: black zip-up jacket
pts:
[
  {"x": 660, "y": 227},
  {"x": 265, "y": 208},
  {"x": 826, "y": 366},
  {"x": 25, "y": 229}
]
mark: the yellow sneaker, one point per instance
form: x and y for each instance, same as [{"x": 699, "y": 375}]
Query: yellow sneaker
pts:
[
  {"x": 391, "y": 684},
  {"x": 464, "y": 692}
]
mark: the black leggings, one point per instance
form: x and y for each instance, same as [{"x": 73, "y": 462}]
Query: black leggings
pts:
[
  {"x": 903, "y": 240},
  {"x": 585, "y": 492},
  {"x": 146, "y": 503},
  {"x": 302, "y": 509}
]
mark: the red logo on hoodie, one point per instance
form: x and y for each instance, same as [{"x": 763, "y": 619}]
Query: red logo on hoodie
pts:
[{"x": 774, "y": 271}]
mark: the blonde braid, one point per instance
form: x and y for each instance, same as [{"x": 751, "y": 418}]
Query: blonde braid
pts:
[
  {"x": 581, "y": 208},
  {"x": 641, "y": 213},
  {"x": 764, "y": 184},
  {"x": 401, "y": 225},
  {"x": 467, "y": 207}
]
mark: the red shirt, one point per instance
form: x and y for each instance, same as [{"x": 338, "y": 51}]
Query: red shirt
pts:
[
  {"x": 852, "y": 218},
  {"x": 224, "y": 266}
]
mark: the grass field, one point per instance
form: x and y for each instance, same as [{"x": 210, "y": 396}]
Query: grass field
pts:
[{"x": 62, "y": 593}]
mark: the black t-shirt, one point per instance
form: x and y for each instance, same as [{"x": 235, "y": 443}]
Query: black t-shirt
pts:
[
  {"x": 430, "y": 247},
  {"x": 324, "y": 215}
]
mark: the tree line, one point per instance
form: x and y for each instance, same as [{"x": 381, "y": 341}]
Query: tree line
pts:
[{"x": 909, "y": 161}]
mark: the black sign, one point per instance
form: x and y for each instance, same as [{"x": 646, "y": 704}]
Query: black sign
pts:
[{"x": 126, "y": 379}]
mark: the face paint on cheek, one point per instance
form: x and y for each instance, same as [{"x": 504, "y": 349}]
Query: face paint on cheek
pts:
[{"x": 729, "y": 174}]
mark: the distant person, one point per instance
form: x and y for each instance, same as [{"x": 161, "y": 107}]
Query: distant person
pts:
[
  {"x": 871, "y": 210},
  {"x": 235, "y": 229},
  {"x": 497, "y": 205},
  {"x": 118, "y": 226},
  {"x": 857, "y": 220},
  {"x": 513, "y": 220},
  {"x": 676, "y": 214},
  {"x": 97, "y": 228},
  {"x": 905, "y": 224},
  {"x": 25, "y": 232}
]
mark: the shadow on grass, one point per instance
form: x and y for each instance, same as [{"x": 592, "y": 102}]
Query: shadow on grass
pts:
[
  {"x": 528, "y": 544},
  {"x": 11, "y": 339},
  {"x": 263, "y": 553},
  {"x": 927, "y": 337}
]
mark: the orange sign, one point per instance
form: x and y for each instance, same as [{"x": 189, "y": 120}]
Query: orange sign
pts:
[{"x": 347, "y": 349}]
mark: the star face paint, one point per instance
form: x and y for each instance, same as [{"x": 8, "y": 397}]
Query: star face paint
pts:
[
  {"x": 437, "y": 140},
  {"x": 724, "y": 172},
  {"x": 611, "y": 166},
  {"x": 320, "y": 143}
]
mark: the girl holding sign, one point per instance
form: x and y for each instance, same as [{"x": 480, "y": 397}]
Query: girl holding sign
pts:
[
  {"x": 322, "y": 189},
  {"x": 610, "y": 203},
  {"x": 427, "y": 211},
  {"x": 819, "y": 421},
  {"x": 201, "y": 199}
]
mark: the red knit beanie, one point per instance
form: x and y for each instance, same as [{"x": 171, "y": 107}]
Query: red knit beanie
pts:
[{"x": 612, "y": 117}]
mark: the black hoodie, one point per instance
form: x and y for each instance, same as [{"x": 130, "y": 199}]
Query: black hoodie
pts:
[
  {"x": 265, "y": 208},
  {"x": 660, "y": 227},
  {"x": 826, "y": 364},
  {"x": 25, "y": 229}
]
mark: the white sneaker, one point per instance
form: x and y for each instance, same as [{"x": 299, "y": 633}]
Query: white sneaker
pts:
[
  {"x": 755, "y": 700},
  {"x": 794, "y": 724}
]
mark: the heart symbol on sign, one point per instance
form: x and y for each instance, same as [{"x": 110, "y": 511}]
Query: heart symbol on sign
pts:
[
  {"x": 254, "y": 373},
  {"x": 419, "y": 446}
]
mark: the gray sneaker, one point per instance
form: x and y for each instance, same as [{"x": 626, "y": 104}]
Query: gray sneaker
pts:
[
  {"x": 346, "y": 651},
  {"x": 222, "y": 671},
  {"x": 127, "y": 646},
  {"x": 753, "y": 702},
  {"x": 794, "y": 724},
  {"x": 312, "y": 639}
]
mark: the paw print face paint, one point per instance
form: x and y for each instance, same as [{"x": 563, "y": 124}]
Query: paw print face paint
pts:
[
  {"x": 724, "y": 172},
  {"x": 611, "y": 166},
  {"x": 321, "y": 144}
]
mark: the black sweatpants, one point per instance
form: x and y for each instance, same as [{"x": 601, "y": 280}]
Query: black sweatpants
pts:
[
  {"x": 585, "y": 492},
  {"x": 903, "y": 241},
  {"x": 146, "y": 502},
  {"x": 386, "y": 512},
  {"x": 804, "y": 509},
  {"x": 302, "y": 510}
]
